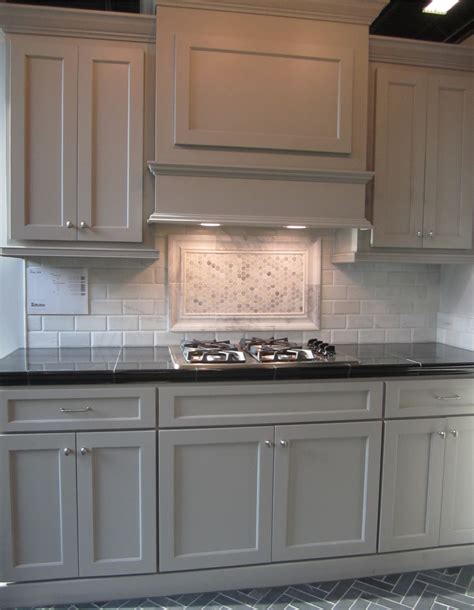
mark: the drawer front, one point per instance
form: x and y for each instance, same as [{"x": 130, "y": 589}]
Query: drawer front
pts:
[
  {"x": 195, "y": 405},
  {"x": 418, "y": 398},
  {"x": 77, "y": 409}
]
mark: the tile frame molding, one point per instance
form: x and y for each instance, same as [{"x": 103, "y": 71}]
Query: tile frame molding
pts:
[
  {"x": 346, "y": 11},
  {"x": 309, "y": 320}
]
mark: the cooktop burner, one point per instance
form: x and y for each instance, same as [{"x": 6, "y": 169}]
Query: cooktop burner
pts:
[{"x": 255, "y": 352}]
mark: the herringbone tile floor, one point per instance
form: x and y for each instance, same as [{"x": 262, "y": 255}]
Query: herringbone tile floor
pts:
[{"x": 452, "y": 588}]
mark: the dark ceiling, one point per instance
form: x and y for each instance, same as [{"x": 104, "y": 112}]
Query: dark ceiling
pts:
[
  {"x": 405, "y": 19},
  {"x": 402, "y": 18}
]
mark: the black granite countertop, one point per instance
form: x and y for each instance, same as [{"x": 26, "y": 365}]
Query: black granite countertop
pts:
[{"x": 133, "y": 364}]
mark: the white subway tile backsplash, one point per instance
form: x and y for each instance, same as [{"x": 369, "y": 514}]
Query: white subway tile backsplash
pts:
[
  {"x": 374, "y": 302},
  {"x": 58, "y": 322},
  {"x": 122, "y": 323},
  {"x": 74, "y": 339},
  {"x": 91, "y": 322}
]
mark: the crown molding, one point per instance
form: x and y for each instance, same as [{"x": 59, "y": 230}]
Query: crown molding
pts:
[
  {"x": 207, "y": 171},
  {"x": 27, "y": 19},
  {"x": 420, "y": 53},
  {"x": 348, "y": 11}
]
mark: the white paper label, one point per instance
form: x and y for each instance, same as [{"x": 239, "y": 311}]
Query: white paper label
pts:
[{"x": 57, "y": 290}]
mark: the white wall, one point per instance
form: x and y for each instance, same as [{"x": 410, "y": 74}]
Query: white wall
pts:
[{"x": 456, "y": 311}]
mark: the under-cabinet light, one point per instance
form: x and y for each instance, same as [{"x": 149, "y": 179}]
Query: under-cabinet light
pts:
[
  {"x": 210, "y": 224},
  {"x": 439, "y": 7},
  {"x": 295, "y": 227}
]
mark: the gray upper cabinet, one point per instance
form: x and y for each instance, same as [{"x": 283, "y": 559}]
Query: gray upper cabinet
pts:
[
  {"x": 457, "y": 512},
  {"x": 116, "y": 483},
  {"x": 76, "y": 138},
  {"x": 38, "y": 513},
  {"x": 43, "y": 138},
  {"x": 215, "y": 497},
  {"x": 412, "y": 482},
  {"x": 423, "y": 190},
  {"x": 326, "y": 490}
]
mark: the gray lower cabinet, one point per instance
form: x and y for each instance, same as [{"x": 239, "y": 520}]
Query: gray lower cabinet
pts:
[
  {"x": 326, "y": 489},
  {"x": 54, "y": 526},
  {"x": 116, "y": 498},
  {"x": 228, "y": 498},
  {"x": 457, "y": 509},
  {"x": 412, "y": 482},
  {"x": 427, "y": 483},
  {"x": 38, "y": 512},
  {"x": 215, "y": 497}
]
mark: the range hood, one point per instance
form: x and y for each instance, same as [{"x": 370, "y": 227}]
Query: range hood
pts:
[{"x": 261, "y": 112}]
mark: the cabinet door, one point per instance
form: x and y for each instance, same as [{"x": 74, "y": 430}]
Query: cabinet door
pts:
[
  {"x": 449, "y": 188},
  {"x": 43, "y": 138},
  {"x": 326, "y": 489},
  {"x": 457, "y": 512},
  {"x": 400, "y": 133},
  {"x": 116, "y": 487},
  {"x": 38, "y": 514},
  {"x": 411, "y": 484},
  {"x": 110, "y": 143},
  {"x": 215, "y": 506}
]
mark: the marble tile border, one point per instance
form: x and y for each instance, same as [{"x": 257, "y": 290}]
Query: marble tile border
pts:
[{"x": 308, "y": 319}]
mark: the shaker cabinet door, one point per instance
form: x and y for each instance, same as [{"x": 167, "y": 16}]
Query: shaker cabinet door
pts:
[
  {"x": 412, "y": 484},
  {"x": 110, "y": 143},
  {"x": 400, "y": 134},
  {"x": 449, "y": 187},
  {"x": 116, "y": 486},
  {"x": 38, "y": 516},
  {"x": 215, "y": 490},
  {"x": 326, "y": 489},
  {"x": 43, "y": 138},
  {"x": 457, "y": 512}
]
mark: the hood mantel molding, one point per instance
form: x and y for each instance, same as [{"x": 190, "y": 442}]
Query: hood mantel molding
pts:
[
  {"x": 249, "y": 173},
  {"x": 347, "y": 11}
]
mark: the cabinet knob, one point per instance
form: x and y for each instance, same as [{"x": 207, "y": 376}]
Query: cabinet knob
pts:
[
  {"x": 83, "y": 225},
  {"x": 441, "y": 434},
  {"x": 268, "y": 444},
  {"x": 419, "y": 234},
  {"x": 455, "y": 433},
  {"x": 67, "y": 451},
  {"x": 69, "y": 224},
  {"x": 284, "y": 443},
  {"x": 431, "y": 234},
  {"x": 84, "y": 450}
]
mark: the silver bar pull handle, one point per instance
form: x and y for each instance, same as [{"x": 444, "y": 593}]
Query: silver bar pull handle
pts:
[
  {"x": 63, "y": 410},
  {"x": 453, "y": 397}
]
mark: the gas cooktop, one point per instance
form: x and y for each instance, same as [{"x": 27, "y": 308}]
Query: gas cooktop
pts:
[{"x": 256, "y": 352}]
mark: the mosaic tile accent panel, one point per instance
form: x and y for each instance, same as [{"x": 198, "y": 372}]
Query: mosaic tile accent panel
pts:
[
  {"x": 233, "y": 282},
  {"x": 443, "y": 589},
  {"x": 245, "y": 283}
]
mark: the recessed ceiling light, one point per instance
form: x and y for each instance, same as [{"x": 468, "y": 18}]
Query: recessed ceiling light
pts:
[
  {"x": 439, "y": 7},
  {"x": 210, "y": 224},
  {"x": 295, "y": 227}
]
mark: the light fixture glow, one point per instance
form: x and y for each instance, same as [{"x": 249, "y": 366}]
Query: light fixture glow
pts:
[
  {"x": 295, "y": 227},
  {"x": 439, "y": 7},
  {"x": 210, "y": 224}
]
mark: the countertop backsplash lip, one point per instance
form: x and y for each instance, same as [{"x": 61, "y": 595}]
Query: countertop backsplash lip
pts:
[{"x": 360, "y": 303}]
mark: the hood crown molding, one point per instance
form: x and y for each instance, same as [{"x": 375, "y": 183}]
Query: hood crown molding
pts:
[
  {"x": 26, "y": 19},
  {"x": 346, "y": 11},
  {"x": 420, "y": 53},
  {"x": 316, "y": 175}
]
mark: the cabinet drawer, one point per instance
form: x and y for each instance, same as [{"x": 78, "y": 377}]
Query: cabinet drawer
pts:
[
  {"x": 416, "y": 398},
  {"x": 77, "y": 409},
  {"x": 194, "y": 405}
]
